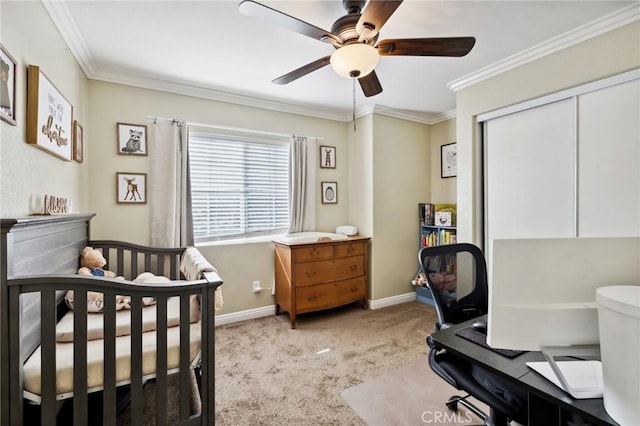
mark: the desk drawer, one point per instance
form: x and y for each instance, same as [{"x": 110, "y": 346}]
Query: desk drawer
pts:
[
  {"x": 309, "y": 273},
  {"x": 322, "y": 296}
]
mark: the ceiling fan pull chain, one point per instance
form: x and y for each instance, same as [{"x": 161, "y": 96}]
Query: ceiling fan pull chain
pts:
[{"x": 354, "y": 103}]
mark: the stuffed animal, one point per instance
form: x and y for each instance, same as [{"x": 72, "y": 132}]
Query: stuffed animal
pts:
[
  {"x": 91, "y": 263},
  {"x": 420, "y": 280}
]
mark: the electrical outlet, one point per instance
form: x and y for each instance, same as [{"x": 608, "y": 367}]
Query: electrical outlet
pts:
[{"x": 256, "y": 287}]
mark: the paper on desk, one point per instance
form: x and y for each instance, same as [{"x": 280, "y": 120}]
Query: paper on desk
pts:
[{"x": 583, "y": 377}]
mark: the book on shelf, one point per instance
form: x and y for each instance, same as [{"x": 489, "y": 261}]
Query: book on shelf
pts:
[
  {"x": 438, "y": 237},
  {"x": 427, "y": 214}
]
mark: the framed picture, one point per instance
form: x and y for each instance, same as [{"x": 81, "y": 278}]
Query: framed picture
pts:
[
  {"x": 131, "y": 188},
  {"x": 49, "y": 116},
  {"x": 448, "y": 160},
  {"x": 329, "y": 192},
  {"x": 7, "y": 87},
  {"x": 78, "y": 141},
  {"x": 327, "y": 157},
  {"x": 132, "y": 139}
]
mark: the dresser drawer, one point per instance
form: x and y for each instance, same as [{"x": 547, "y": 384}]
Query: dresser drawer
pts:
[
  {"x": 309, "y": 273},
  {"x": 349, "y": 249},
  {"x": 322, "y": 296},
  {"x": 306, "y": 253}
]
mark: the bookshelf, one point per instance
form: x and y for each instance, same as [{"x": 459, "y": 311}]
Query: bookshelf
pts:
[{"x": 437, "y": 227}]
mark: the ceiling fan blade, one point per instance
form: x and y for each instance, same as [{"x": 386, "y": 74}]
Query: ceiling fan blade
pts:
[
  {"x": 375, "y": 14},
  {"x": 256, "y": 10},
  {"x": 302, "y": 71},
  {"x": 450, "y": 46},
  {"x": 370, "y": 84}
]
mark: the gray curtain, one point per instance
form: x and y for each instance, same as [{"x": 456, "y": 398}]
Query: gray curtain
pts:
[
  {"x": 302, "y": 179},
  {"x": 169, "y": 185}
]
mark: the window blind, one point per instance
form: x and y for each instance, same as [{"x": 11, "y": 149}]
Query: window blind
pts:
[{"x": 239, "y": 188}]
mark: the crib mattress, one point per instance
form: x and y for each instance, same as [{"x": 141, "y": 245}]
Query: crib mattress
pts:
[
  {"x": 95, "y": 353},
  {"x": 95, "y": 330}
]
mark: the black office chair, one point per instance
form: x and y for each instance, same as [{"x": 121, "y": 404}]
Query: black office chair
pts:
[{"x": 456, "y": 274}]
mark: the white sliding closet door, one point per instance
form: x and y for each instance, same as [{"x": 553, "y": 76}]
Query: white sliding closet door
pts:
[
  {"x": 609, "y": 162},
  {"x": 530, "y": 173}
]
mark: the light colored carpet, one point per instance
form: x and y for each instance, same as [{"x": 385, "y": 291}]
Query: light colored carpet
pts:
[
  {"x": 269, "y": 374},
  {"x": 411, "y": 395}
]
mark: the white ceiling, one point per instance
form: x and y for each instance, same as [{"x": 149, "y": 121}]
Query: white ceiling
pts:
[{"x": 209, "y": 49}]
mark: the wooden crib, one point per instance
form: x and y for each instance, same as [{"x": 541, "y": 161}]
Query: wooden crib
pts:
[{"x": 39, "y": 260}]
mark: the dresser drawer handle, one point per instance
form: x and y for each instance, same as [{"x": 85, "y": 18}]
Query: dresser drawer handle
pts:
[
  {"x": 311, "y": 274},
  {"x": 353, "y": 267},
  {"x": 351, "y": 249},
  {"x": 312, "y": 298}
]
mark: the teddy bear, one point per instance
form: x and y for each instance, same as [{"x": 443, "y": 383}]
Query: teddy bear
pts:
[{"x": 91, "y": 263}]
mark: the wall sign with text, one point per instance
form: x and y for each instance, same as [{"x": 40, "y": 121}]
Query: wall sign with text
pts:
[{"x": 49, "y": 116}]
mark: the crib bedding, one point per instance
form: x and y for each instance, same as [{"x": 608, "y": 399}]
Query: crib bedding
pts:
[
  {"x": 95, "y": 330},
  {"x": 95, "y": 353}
]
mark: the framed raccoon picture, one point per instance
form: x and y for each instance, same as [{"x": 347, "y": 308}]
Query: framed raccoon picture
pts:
[{"x": 132, "y": 139}]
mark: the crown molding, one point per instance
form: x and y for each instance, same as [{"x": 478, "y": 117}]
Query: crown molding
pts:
[
  {"x": 150, "y": 82},
  {"x": 67, "y": 28},
  {"x": 585, "y": 32},
  {"x": 423, "y": 118}
]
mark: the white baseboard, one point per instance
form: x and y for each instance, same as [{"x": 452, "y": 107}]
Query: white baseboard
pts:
[
  {"x": 270, "y": 310},
  {"x": 245, "y": 315},
  {"x": 393, "y": 300}
]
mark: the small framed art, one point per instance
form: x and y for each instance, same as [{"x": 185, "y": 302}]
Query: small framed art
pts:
[
  {"x": 131, "y": 188},
  {"x": 329, "y": 192},
  {"x": 327, "y": 157},
  {"x": 448, "y": 160},
  {"x": 7, "y": 87},
  {"x": 132, "y": 139},
  {"x": 78, "y": 141}
]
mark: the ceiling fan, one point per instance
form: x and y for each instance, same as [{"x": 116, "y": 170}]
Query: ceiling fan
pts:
[{"x": 355, "y": 38}]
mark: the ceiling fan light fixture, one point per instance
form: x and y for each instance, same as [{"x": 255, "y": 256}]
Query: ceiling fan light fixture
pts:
[{"x": 354, "y": 60}]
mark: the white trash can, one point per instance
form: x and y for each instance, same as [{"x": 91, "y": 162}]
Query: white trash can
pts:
[{"x": 619, "y": 327}]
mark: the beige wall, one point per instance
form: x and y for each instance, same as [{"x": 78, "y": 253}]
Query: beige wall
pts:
[
  {"x": 606, "y": 55},
  {"x": 239, "y": 264},
  {"x": 401, "y": 170},
  {"x": 383, "y": 169},
  {"x": 113, "y": 103},
  {"x": 26, "y": 172}
]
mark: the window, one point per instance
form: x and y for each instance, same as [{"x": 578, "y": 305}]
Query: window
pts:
[{"x": 239, "y": 188}]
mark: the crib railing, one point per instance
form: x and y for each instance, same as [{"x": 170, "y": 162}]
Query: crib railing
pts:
[
  {"x": 129, "y": 260},
  {"x": 47, "y": 287}
]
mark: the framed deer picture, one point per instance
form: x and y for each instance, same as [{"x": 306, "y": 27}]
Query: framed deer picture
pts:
[{"x": 131, "y": 188}]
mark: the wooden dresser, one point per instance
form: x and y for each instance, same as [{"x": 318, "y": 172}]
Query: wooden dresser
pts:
[{"x": 320, "y": 275}]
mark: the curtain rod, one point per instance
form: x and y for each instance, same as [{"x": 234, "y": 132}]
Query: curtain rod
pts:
[{"x": 235, "y": 129}]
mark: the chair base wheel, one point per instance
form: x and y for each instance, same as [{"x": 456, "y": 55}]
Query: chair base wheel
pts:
[{"x": 452, "y": 403}]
